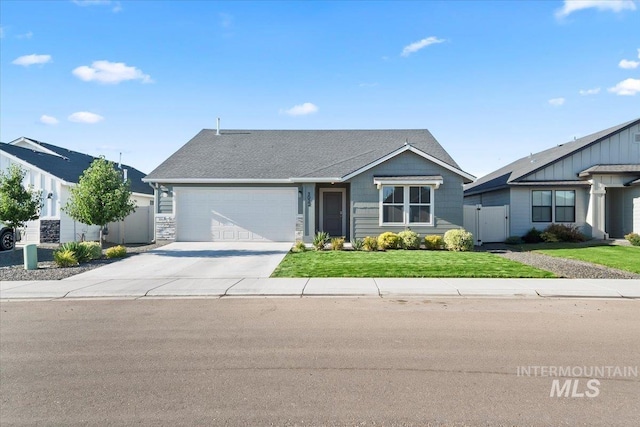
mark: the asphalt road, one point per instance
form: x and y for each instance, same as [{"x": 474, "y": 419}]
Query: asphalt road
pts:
[{"x": 316, "y": 362}]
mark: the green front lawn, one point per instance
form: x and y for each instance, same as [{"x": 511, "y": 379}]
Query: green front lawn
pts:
[
  {"x": 401, "y": 263},
  {"x": 620, "y": 257}
]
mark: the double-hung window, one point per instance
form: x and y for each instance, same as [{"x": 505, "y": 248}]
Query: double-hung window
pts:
[
  {"x": 393, "y": 204},
  {"x": 565, "y": 206},
  {"x": 553, "y": 206},
  {"x": 406, "y": 205},
  {"x": 541, "y": 206}
]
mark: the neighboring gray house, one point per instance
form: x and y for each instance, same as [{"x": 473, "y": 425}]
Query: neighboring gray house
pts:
[
  {"x": 591, "y": 182},
  {"x": 285, "y": 185}
]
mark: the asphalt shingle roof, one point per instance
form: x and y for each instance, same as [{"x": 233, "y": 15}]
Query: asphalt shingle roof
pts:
[
  {"x": 70, "y": 166},
  {"x": 501, "y": 178},
  {"x": 284, "y": 154},
  {"x": 632, "y": 168}
]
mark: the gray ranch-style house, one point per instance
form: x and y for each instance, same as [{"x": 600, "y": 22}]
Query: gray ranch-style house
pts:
[
  {"x": 286, "y": 185},
  {"x": 592, "y": 183}
]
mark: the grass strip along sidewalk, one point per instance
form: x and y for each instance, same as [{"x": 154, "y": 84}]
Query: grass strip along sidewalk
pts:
[
  {"x": 621, "y": 257},
  {"x": 402, "y": 263}
]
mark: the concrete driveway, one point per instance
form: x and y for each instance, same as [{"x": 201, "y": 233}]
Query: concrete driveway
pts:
[{"x": 211, "y": 260}]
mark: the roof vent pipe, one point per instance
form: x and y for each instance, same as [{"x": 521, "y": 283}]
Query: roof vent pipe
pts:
[{"x": 218, "y": 127}]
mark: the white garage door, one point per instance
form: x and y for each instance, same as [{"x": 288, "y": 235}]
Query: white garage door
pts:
[{"x": 236, "y": 214}]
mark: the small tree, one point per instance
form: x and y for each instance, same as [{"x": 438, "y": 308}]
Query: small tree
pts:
[
  {"x": 101, "y": 196},
  {"x": 18, "y": 204}
]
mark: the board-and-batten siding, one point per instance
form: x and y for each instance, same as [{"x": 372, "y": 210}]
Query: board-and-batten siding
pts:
[
  {"x": 520, "y": 210},
  {"x": 617, "y": 149},
  {"x": 365, "y": 210}
]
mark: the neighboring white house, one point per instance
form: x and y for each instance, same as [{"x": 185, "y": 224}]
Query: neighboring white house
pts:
[
  {"x": 592, "y": 183},
  {"x": 54, "y": 170}
]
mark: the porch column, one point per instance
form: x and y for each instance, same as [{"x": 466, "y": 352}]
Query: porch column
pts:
[{"x": 596, "y": 211}]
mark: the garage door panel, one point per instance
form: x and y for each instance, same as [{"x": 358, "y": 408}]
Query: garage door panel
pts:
[{"x": 236, "y": 214}]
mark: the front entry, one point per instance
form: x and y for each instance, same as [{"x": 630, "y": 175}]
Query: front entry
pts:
[{"x": 333, "y": 211}]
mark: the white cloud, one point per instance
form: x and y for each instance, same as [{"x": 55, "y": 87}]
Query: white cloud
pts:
[
  {"x": 594, "y": 91},
  {"x": 85, "y": 117},
  {"x": 117, "y": 7},
  {"x": 48, "y": 120},
  {"x": 626, "y": 87},
  {"x": 301, "y": 110},
  {"x": 638, "y": 53},
  {"x": 27, "y": 60},
  {"x": 421, "y": 44},
  {"x": 110, "y": 73},
  {"x": 25, "y": 35},
  {"x": 628, "y": 65},
  {"x": 364, "y": 84},
  {"x": 556, "y": 102},
  {"x": 571, "y": 6}
]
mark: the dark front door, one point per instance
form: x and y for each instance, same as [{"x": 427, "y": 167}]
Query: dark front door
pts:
[{"x": 332, "y": 211}]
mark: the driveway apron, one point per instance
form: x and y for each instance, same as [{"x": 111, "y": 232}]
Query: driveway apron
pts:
[{"x": 211, "y": 260}]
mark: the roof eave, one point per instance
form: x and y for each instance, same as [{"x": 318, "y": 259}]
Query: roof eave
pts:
[
  {"x": 217, "y": 181},
  {"x": 32, "y": 166}
]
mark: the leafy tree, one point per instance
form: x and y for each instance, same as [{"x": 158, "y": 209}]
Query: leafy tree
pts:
[
  {"x": 101, "y": 196},
  {"x": 17, "y": 203}
]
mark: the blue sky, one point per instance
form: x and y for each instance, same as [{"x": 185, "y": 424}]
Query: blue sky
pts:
[{"x": 493, "y": 81}]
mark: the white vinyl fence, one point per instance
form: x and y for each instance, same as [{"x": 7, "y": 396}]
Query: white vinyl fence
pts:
[{"x": 488, "y": 224}]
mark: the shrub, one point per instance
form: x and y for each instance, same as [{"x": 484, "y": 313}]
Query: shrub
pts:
[
  {"x": 299, "y": 247},
  {"x": 357, "y": 244},
  {"x": 409, "y": 239},
  {"x": 458, "y": 240},
  {"x": 514, "y": 240},
  {"x": 532, "y": 236},
  {"x": 370, "y": 244},
  {"x": 562, "y": 233},
  {"x": 116, "y": 252},
  {"x": 337, "y": 243},
  {"x": 433, "y": 242},
  {"x": 94, "y": 249},
  {"x": 388, "y": 240},
  {"x": 64, "y": 258},
  {"x": 80, "y": 252},
  {"x": 320, "y": 240},
  {"x": 633, "y": 238}
]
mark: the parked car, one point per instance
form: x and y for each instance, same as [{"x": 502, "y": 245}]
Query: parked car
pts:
[{"x": 7, "y": 239}]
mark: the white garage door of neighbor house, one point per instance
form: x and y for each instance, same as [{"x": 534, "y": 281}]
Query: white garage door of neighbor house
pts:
[{"x": 236, "y": 214}]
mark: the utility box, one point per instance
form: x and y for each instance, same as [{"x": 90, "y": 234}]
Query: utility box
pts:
[{"x": 30, "y": 257}]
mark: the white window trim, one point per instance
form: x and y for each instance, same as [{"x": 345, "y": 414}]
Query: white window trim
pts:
[{"x": 406, "y": 206}]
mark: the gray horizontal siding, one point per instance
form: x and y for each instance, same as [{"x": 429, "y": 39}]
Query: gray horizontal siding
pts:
[
  {"x": 365, "y": 197},
  {"x": 520, "y": 210},
  {"x": 490, "y": 198}
]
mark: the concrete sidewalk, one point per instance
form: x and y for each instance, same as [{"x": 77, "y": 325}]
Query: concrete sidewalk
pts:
[{"x": 333, "y": 287}]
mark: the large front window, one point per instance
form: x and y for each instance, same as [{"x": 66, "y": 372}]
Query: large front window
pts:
[
  {"x": 406, "y": 205},
  {"x": 553, "y": 206}
]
